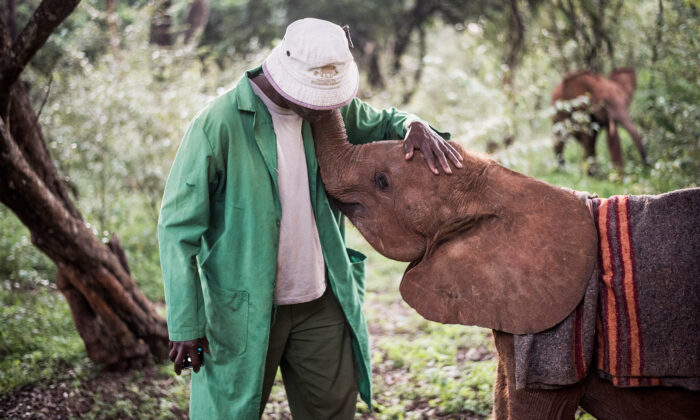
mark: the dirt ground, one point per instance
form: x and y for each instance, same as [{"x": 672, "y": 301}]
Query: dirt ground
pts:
[{"x": 69, "y": 397}]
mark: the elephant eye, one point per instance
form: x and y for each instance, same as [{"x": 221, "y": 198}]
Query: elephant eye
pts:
[{"x": 381, "y": 181}]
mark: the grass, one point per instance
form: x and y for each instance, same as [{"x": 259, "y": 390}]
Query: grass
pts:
[
  {"x": 38, "y": 338},
  {"x": 158, "y": 395},
  {"x": 536, "y": 159}
]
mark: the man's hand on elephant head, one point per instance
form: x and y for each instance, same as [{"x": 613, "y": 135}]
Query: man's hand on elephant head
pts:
[
  {"x": 434, "y": 148},
  {"x": 179, "y": 349}
]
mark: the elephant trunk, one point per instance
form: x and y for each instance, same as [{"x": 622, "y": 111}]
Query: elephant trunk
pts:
[{"x": 334, "y": 153}]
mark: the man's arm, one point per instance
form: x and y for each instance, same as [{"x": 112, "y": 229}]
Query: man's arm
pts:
[
  {"x": 184, "y": 217},
  {"x": 365, "y": 124}
]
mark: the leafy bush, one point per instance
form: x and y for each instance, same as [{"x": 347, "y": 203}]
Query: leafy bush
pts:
[
  {"x": 670, "y": 102},
  {"x": 22, "y": 266},
  {"x": 38, "y": 338}
]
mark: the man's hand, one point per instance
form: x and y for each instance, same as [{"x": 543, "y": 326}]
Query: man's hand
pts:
[
  {"x": 434, "y": 148},
  {"x": 178, "y": 350}
]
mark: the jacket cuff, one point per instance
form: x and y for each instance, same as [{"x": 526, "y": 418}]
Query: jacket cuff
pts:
[
  {"x": 186, "y": 334},
  {"x": 412, "y": 118}
]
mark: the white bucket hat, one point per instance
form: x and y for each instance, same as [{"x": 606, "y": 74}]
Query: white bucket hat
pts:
[{"x": 312, "y": 66}]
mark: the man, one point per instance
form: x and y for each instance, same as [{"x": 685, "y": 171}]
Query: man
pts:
[{"x": 254, "y": 261}]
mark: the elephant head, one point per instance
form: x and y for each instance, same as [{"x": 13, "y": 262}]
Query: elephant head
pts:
[
  {"x": 487, "y": 246},
  {"x": 626, "y": 79}
]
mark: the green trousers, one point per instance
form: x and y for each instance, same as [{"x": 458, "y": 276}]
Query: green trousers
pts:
[{"x": 311, "y": 344}]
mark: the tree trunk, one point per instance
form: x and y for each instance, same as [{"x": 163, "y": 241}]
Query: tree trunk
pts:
[
  {"x": 658, "y": 41},
  {"x": 162, "y": 25},
  {"x": 514, "y": 51},
  {"x": 418, "y": 73},
  {"x": 113, "y": 27},
  {"x": 374, "y": 72},
  {"x": 12, "y": 18},
  {"x": 414, "y": 19},
  {"x": 118, "y": 324},
  {"x": 558, "y": 40},
  {"x": 516, "y": 41},
  {"x": 196, "y": 19}
]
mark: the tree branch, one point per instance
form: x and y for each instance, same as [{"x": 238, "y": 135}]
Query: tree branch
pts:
[
  {"x": 421, "y": 12},
  {"x": 12, "y": 18},
  {"x": 43, "y": 101},
  {"x": 558, "y": 40},
  {"x": 515, "y": 43},
  {"x": 196, "y": 20},
  {"x": 5, "y": 39},
  {"x": 45, "y": 19},
  {"x": 419, "y": 70}
]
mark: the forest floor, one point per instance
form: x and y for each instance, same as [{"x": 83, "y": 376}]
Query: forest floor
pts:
[{"x": 422, "y": 370}]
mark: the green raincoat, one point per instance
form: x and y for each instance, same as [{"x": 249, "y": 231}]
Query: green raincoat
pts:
[{"x": 219, "y": 233}]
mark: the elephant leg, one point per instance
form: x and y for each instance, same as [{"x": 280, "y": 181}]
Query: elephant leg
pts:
[
  {"x": 501, "y": 407},
  {"x": 626, "y": 122},
  {"x": 559, "y": 149},
  {"x": 613, "y": 139},
  {"x": 512, "y": 404},
  {"x": 605, "y": 401},
  {"x": 588, "y": 142},
  {"x": 559, "y": 137}
]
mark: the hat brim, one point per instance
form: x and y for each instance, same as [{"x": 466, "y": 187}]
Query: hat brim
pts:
[{"x": 297, "y": 91}]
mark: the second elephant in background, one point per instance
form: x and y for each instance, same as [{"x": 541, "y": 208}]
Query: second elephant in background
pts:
[{"x": 608, "y": 106}]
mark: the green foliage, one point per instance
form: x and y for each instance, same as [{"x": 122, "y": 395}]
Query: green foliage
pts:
[
  {"x": 669, "y": 101},
  {"x": 38, "y": 339},
  {"x": 84, "y": 30},
  {"x": 22, "y": 266},
  {"x": 241, "y": 28},
  {"x": 427, "y": 366},
  {"x": 383, "y": 32}
]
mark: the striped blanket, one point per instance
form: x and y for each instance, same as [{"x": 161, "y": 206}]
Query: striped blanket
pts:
[{"x": 639, "y": 321}]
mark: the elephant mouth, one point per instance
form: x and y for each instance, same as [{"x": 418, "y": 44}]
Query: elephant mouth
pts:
[{"x": 350, "y": 209}]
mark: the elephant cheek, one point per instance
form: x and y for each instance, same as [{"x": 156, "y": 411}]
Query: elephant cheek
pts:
[{"x": 396, "y": 244}]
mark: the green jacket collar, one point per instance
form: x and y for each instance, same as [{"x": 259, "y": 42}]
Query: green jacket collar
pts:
[
  {"x": 245, "y": 97},
  {"x": 248, "y": 101}
]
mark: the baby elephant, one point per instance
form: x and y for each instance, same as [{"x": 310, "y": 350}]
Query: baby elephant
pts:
[
  {"x": 608, "y": 107},
  {"x": 593, "y": 302}
]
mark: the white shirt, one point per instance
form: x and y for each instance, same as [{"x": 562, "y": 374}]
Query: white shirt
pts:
[{"x": 300, "y": 265}]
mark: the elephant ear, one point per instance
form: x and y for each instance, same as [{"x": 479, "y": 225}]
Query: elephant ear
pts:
[
  {"x": 626, "y": 78},
  {"x": 521, "y": 269}
]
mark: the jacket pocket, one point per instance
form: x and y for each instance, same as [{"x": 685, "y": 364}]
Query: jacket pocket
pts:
[
  {"x": 357, "y": 270},
  {"x": 227, "y": 318}
]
